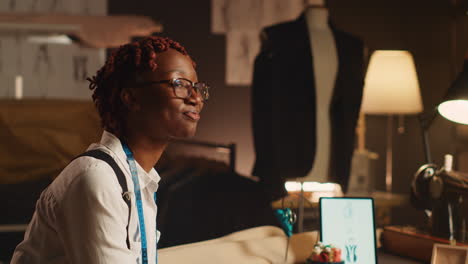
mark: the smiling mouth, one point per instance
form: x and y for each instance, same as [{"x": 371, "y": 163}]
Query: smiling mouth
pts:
[{"x": 194, "y": 116}]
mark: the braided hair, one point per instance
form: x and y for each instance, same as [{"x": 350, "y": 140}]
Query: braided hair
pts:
[{"x": 120, "y": 71}]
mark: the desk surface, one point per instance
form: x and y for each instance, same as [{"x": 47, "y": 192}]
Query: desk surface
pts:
[
  {"x": 381, "y": 199},
  {"x": 386, "y": 258}
]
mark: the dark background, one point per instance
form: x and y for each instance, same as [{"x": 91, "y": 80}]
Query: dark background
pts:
[{"x": 434, "y": 31}]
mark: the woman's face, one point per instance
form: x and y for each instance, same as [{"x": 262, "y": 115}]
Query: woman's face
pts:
[{"x": 159, "y": 112}]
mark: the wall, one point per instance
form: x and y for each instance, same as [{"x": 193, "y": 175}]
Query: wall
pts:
[
  {"x": 424, "y": 27},
  {"x": 35, "y": 69}
]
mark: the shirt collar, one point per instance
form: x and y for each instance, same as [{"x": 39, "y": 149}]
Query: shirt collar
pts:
[{"x": 147, "y": 179}]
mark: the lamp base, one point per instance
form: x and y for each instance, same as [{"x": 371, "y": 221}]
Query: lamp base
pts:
[{"x": 361, "y": 176}]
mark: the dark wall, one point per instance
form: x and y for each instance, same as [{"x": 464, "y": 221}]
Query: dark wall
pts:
[
  {"x": 427, "y": 28},
  {"x": 438, "y": 41}
]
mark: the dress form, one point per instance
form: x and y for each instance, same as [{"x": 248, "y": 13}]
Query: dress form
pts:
[
  {"x": 325, "y": 62},
  {"x": 284, "y": 124}
]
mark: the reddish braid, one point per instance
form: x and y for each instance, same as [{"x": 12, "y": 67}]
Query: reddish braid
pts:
[{"x": 119, "y": 70}]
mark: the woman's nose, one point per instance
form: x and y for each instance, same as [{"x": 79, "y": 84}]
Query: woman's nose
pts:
[{"x": 195, "y": 97}]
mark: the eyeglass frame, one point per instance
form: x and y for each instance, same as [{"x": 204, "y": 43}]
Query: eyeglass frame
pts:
[{"x": 171, "y": 82}]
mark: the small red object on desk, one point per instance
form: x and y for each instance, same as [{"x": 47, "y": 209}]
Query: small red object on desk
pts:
[{"x": 325, "y": 254}]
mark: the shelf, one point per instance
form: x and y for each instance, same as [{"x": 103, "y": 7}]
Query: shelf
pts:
[{"x": 89, "y": 31}]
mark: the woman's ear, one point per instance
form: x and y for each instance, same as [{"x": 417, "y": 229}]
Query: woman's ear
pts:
[{"x": 128, "y": 98}]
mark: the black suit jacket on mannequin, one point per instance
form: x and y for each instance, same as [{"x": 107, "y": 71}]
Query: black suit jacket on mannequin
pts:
[{"x": 283, "y": 105}]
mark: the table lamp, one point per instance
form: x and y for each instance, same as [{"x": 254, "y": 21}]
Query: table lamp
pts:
[
  {"x": 391, "y": 88},
  {"x": 453, "y": 107}
]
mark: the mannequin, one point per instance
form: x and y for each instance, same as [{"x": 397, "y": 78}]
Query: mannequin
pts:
[
  {"x": 306, "y": 97},
  {"x": 325, "y": 63}
]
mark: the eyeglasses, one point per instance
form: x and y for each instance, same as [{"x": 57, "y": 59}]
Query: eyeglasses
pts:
[{"x": 183, "y": 88}]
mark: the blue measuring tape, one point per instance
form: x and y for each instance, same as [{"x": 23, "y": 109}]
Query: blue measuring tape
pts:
[{"x": 139, "y": 204}]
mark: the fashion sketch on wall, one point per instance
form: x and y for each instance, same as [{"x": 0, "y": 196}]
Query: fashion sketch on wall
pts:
[
  {"x": 241, "y": 21},
  {"x": 43, "y": 68},
  {"x": 82, "y": 7},
  {"x": 48, "y": 70}
]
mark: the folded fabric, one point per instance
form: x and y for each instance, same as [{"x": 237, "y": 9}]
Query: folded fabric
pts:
[{"x": 252, "y": 246}]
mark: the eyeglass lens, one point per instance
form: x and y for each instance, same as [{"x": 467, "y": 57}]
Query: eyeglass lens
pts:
[{"x": 183, "y": 88}]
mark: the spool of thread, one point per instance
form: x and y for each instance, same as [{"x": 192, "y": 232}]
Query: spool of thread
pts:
[{"x": 448, "y": 162}]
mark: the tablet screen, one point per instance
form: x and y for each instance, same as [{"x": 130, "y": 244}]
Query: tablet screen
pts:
[{"x": 348, "y": 223}]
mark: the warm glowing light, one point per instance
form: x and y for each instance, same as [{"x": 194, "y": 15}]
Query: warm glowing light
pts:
[
  {"x": 455, "y": 110},
  {"x": 391, "y": 84},
  {"x": 314, "y": 190},
  {"x": 292, "y": 186},
  {"x": 309, "y": 186},
  {"x": 53, "y": 39}
]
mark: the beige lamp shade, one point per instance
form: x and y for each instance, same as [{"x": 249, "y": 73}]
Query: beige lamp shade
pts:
[{"x": 391, "y": 84}]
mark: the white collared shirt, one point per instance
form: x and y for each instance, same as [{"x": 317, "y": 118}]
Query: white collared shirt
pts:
[{"x": 82, "y": 218}]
